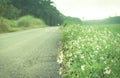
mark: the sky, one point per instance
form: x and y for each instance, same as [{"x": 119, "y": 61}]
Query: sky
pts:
[{"x": 89, "y": 9}]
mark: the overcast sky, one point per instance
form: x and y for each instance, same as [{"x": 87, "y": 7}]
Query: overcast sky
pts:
[{"x": 88, "y": 9}]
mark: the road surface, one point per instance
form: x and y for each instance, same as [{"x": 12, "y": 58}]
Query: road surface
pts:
[{"x": 29, "y": 53}]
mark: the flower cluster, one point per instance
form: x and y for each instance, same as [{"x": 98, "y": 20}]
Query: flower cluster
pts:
[{"x": 89, "y": 52}]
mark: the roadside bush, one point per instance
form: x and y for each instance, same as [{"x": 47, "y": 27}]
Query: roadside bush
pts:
[
  {"x": 30, "y": 21},
  {"x": 3, "y": 26},
  {"x": 25, "y": 22}
]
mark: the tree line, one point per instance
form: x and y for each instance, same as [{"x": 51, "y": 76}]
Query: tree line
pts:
[
  {"x": 43, "y": 9},
  {"x": 110, "y": 20}
]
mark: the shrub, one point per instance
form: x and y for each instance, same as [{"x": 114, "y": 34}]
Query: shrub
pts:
[
  {"x": 3, "y": 26},
  {"x": 29, "y": 21}
]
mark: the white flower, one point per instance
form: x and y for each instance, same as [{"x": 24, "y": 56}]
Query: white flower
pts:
[
  {"x": 112, "y": 60},
  {"x": 106, "y": 47},
  {"x": 102, "y": 58},
  {"x": 82, "y": 57},
  {"x": 107, "y": 70},
  {"x": 92, "y": 56},
  {"x": 59, "y": 61},
  {"x": 60, "y": 71},
  {"x": 75, "y": 56},
  {"x": 78, "y": 52},
  {"x": 68, "y": 64},
  {"x": 60, "y": 58},
  {"x": 70, "y": 54},
  {"x": 96, "y": 51},
  {"x": 83, "y": 67},
  {"x": 105, "y": 62}
]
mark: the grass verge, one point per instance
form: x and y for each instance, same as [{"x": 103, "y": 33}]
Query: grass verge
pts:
[
  {"x": 23, "y": 23},
  {"x": 90, "y": 52}
]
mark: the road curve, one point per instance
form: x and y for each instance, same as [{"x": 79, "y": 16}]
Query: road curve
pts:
[{"x": 29, "y": 53}]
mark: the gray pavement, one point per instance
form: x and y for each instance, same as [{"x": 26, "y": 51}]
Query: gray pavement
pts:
[{"x": 29, "y": 53}]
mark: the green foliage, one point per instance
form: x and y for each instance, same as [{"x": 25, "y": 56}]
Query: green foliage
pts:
[
  {"x": 29, "y": 21},
  {"x": 113, "y": 20},
  {"x": 43, "y": 9},
  {"x": 110, "y": 20},
  {"x": 39, "y": 8},
  {"x": 25, "y": 22},
  {"x": 8, "y": 10},
  {"x": 6, "y": 25},
  {"x": 90, "y": 52},
  {"x": 3, "y": 28},
  {"x": 10, "y": 23},
  {"x": 71, "y": 20}
]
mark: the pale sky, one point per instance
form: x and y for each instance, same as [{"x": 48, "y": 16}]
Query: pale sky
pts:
[{"x": 88, "y": 9}]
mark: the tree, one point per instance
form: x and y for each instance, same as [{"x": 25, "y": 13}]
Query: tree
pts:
[
  {"x": 72, "y": 20},
  {"x": 8, "y": 10},
  {"x": 42, "y": 9},
  {"x": 39, "y": 8}
]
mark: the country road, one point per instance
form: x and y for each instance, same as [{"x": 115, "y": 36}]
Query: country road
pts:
[{"x": 30, "y": 53}]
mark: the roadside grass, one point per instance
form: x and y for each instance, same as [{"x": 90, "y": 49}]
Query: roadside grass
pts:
[
  {"x": 90, "y": 51},
  {"x": 30, "y": 21},
  {"x": 23, "y": 23}
]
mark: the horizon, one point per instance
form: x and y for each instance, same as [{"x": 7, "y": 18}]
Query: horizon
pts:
[{"x": 88, "y": 9}]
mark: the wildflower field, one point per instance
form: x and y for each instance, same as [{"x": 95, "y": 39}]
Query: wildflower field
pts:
[{"x": 90, "y": 51}]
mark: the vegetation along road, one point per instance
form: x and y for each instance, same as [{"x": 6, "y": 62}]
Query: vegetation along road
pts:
[{"x": 29, "y": 54}]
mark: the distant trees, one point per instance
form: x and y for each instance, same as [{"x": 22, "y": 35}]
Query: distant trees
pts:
[
  {"x": 72, "y": 20},
  {"x": 43, "y": 9},
  {"x": 113, "y": 20},
  {"x": 110, "y": 20}
]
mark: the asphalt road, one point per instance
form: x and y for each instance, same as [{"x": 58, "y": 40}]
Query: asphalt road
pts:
[{"x": 29, "y": 53}]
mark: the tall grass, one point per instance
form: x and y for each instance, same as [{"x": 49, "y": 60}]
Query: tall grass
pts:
[
  {"x": 90, "y": 52},
  {"x": 3, "y": 26},
  {"x": 30, "y": 21},
  {"x": 25, "y": 22}
]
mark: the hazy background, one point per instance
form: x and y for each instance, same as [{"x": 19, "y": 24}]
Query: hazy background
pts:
[{"x": 88, "y": 9}]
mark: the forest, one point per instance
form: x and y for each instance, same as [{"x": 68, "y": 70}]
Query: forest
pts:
[{"x": 44, "y": 9}]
